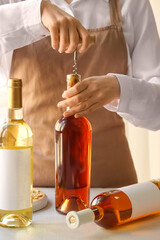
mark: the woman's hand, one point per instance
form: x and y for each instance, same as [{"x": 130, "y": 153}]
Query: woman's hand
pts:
[
  {"x": 89, "y": 95},
  {"x": 66, "y": 31}
]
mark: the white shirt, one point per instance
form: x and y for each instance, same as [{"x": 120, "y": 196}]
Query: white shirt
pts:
[{"x": 139, "y": 102}]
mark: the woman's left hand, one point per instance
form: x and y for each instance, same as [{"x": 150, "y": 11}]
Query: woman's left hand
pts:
[{"x": 90, "y": 94}]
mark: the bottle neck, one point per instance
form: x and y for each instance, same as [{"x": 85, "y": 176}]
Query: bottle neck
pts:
[
  {"x": 98, "y": 213},
  {"x": 15, "y": 113},
  {"x": 75, "y": 219}
]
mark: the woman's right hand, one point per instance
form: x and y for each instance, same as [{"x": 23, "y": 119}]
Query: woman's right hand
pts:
[{"x": 66, "y": 31}]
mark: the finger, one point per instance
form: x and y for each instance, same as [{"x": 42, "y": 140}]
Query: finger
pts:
[
  {"x": 89, "y": 110},
  {"x": 64, "y": 37},
  {"x": 76, "y": 89},
  {"x": 70, "y": 102},
  {"x": 54, "y": 36},
  {"x": 80, "y": 107},
  {"x": 74, "y": 38},
  {"x": 84, "y": 35}
]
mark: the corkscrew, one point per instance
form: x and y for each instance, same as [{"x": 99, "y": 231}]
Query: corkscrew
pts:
[
  {"x": 75, "y": 62},
  {"x": 92, "y": 40}
]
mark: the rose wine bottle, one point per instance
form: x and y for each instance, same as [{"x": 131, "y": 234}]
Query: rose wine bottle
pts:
[
  {"x": 116, "y": 207},
  {"x": 72, "y": 160},
  {"x": 16, "y": 147}
]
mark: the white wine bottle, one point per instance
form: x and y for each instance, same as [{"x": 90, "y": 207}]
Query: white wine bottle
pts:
[{"x": 16, "y": 150}]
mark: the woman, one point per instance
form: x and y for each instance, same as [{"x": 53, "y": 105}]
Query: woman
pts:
[{"x": 43, "y": 72}]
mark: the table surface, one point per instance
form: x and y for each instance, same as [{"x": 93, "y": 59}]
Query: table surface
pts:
[{"x": 50, "y": 225}]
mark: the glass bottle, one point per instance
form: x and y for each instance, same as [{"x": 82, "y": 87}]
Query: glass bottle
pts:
[
  {"x": 72, "y": 160},
  {"x": 16, "y": 149},
  {"x": 116, "y": 207}
]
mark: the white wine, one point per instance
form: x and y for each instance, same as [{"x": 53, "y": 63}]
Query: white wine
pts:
[{"x": 16, "y": 151}]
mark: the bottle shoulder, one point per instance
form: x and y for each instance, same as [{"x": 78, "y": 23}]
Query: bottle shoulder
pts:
[
  {"x": 71, "y": 122},
  {"x": 16, "y": 132},
  {"x": 14, "y": 124},
  {"x": 110, "y": 196}
]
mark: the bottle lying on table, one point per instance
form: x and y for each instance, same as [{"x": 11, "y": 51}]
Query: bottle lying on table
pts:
[
  {"x": 72, "y": 160},
  {"x": 16, "y": 148},
  {"x": 116, "y": 207}
]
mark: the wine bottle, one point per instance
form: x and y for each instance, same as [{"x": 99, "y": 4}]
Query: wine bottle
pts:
[
  {"x": 72, "y": 160},
  {"x": 16, "y": 149},
  {"x": 116, "y": 207}
]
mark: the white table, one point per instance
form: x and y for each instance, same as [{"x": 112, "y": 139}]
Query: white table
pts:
[{"x": 49, "y": 225}]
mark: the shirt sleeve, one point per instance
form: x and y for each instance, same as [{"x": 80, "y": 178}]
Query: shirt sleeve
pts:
[
  {"x": 21, "y": 24},
  {"x": 140, "y": 93}
]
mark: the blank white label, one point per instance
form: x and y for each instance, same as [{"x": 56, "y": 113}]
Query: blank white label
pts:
[
  {"x": 144, "y": 197},
  {"x": 15, "y": 179}
]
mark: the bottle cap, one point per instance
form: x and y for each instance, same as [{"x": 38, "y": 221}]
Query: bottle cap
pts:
[
  {"x": 75, "y": 219},
  {"x": 14, "y": 93},
  {"x": 14, "y": 82}
]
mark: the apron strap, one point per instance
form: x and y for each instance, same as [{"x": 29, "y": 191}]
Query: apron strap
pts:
[{"x": 115, "y": 12}]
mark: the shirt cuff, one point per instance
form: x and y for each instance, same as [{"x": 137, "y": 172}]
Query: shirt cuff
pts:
[
  {"x": 114, "y": 105},
  {"x": 121, "y": 105},
  {"x": 31, "y": 13},
  {"x": 126, "y": 93}
]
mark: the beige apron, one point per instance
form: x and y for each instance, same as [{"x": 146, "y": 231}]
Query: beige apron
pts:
[{"x": 43, "y": 72}]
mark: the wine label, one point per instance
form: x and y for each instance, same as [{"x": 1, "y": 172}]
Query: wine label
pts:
[
  {"x": 15, "y": 179},
  {"x": 144, "y": 197}
]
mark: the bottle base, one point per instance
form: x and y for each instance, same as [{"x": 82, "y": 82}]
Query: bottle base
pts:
[
  {"x": 71, "y": 204},
  {"x": 15, "y": 221}
]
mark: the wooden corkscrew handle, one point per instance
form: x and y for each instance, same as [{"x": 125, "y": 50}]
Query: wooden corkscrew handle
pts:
[{"x": 92, "y": 39}]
